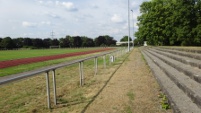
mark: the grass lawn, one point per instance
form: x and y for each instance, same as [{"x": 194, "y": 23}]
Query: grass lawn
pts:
[
  {"x": 27, "y": 53},
  {"x": 16, "y": 54},
  {"x": 29, "y": 95}
]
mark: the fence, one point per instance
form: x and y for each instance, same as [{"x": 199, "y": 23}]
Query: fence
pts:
[{"x": 46, "y": 70}]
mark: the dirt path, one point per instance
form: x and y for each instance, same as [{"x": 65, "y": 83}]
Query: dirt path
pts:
[{"x": 132, "y": 89}]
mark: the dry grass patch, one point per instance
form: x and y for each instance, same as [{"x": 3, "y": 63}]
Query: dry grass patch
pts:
[{"x": 29, "y": 95}]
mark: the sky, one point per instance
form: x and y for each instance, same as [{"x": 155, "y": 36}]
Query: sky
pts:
[{"x": 91, "y": 18}]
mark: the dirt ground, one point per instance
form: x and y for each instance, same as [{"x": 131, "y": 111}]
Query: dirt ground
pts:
[{"x": 132, "y": 89}]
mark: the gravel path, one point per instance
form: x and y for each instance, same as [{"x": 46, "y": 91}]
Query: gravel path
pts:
[{"x": 132, "y": 89}]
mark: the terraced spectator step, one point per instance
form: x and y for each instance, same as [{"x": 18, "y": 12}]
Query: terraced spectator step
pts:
[{"x": 178, "y": 76}]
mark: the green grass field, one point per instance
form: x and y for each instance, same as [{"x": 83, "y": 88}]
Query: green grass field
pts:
[{"x": 17, "y": 54}]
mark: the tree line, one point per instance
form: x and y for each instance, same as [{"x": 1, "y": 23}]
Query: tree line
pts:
[
  {"x": 68, "y": 41},
  {"x": 170, "y": 22}
]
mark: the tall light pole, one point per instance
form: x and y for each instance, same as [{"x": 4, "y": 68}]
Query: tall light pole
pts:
[
  {"x": 128, "y": 26},
  {"x": 133, "y": 27}
]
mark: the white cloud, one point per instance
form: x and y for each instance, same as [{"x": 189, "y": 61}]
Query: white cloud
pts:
[
  {"x": 69, "y": 6},
  {"x": 90, "y": 18},
  {"x": 28, "y": 24},
  {"x": 46, "y": 23},
  {"x": 41, "y": 2},
  {"x": 45, "y": 3},
  {"x": 94, "y": 6},
  {"x": 52, "y": 15},
  {"x": 117, "y": 19},
  {"x": 57, "y": 3},
  {"x": 32, "y": 24}
]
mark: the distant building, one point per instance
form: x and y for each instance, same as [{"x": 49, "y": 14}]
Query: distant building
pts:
[
  {"x": 145, "y": 43},
  {"x": 120, "y": 43}
]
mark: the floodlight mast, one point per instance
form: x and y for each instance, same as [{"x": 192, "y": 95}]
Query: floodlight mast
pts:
[
  {"x": 133, "y": 26},
  {"x": 128, "y": 26}
]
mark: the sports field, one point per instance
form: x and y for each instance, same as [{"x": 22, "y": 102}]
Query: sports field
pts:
[
  {"x": 27, "y": 53},
  {"x": 25, "y": 60}
]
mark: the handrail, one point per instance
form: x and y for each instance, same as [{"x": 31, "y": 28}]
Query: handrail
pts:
[{"x": 15, "y": 77}]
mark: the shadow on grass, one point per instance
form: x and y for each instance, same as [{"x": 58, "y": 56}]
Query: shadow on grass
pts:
[
  {"x": 65, "y": 103},
  {"x": 85, "y": 108}
]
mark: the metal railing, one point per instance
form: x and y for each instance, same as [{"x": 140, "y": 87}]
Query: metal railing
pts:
[{"x": 46, "y": 70}]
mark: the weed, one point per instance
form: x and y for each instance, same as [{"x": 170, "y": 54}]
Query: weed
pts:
[
  {"x": 131, "y": 95},
  {"x": 143, "y": 57},
  {"x": 164, "y": 102},
  {"x": 62, "y": 100},
  {"x": 127, "y": 109}
]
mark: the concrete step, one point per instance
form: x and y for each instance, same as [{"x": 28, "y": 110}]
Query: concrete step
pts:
[
  {"x": 182, "y": 53},
  {"x": 192, "y": 50},
  {"x": 183, "y": 59},
  {"x": 186, "y": 84},
  {"x": 180, "y": 102},
  {"x": 192, "y": 72}
]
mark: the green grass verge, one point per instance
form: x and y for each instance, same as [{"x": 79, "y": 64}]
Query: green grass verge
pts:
[
  {"x": 32, "y": 66},
  {"x": 28, "y": 67},
  {"x": 17, "y": 54}
]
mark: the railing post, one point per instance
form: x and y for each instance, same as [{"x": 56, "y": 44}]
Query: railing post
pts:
[
  {"x": 117, "y": 54},
  {"x": 54, "y": 87},
  {"x": 122, "y": 52},
  {"x": 81, "y": 73},
  {"x": 109, "y": 59},
  {"x": 104, "y": 62},
  {"x": 48, "y": 90},
  {"x": 96, "y": 65},
  {"x": 114, "y": 56}
]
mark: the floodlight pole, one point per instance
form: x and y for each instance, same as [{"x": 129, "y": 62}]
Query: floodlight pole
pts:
[
  {"x": 128, "y": 26},
  {"x": 133, "y": 27}
]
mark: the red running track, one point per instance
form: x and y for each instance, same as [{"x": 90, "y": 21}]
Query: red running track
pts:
[{"x": 11, "y": 63}]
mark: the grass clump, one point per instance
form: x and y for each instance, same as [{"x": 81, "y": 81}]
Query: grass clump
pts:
[
  {"x": 131, "y": 95},
  {"x": 164, "y": 101}
]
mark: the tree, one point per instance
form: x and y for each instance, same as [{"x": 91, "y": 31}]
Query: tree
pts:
[
  {"x": 0, "y": 42},
  {"x": 18, "y": 42},
  {"x": 170, "y": 22},
  {"x": 64, "y": 42},
  {"x": 104, "y": 41},
  {"x": 100, "y": 41},
  {"x": 70, "y": 40},
  {"x": 125, "y": 38},
  {"x": 109, "y": 41},
  {"x": 37, "y": 43},
  {"x": 196, "y": 30},
  {"x": 7, "y": 43},
  {"x": 87, "y": 42},
  {"x": 47, "y": 42},
  {"x": 76, "y": 41},
  {"x": 54, "y": 42},
  {"x": 27, "y": 42}
]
